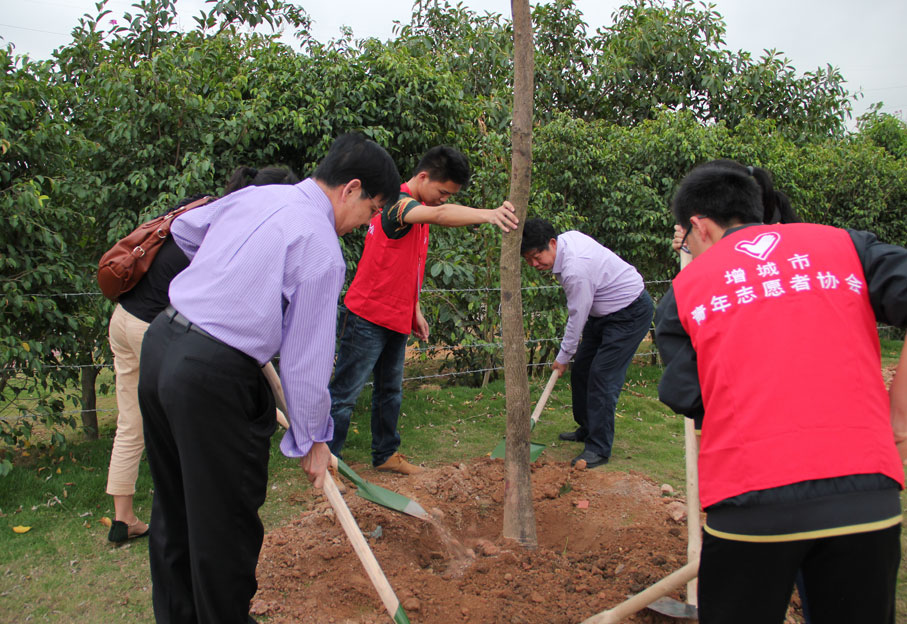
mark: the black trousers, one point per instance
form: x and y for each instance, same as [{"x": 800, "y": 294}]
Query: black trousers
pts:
[
  {"x": 849, "y": 579},
  {"x": 600, "y": 369},
  {"x": 208, "y": 416}
]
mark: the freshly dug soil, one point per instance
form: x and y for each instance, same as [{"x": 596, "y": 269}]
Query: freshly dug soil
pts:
[{"x": 602, "y": 536}]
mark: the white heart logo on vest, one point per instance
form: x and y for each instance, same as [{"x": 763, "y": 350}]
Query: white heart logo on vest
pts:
[{"x": 760, "y": 248}]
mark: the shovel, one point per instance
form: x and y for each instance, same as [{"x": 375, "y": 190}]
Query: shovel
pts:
[
  {"x": 674, "y": 608},
  {"x": 655, "y": 597},
  {"x": 380, "y": 495},
  {"x": 366, "y": 490},
  {"x": 534, "y": 449},
  {"x": 669, "y": 606},
  {"x": 665, "y": 586},
  {"x": 366, "y": 556}
]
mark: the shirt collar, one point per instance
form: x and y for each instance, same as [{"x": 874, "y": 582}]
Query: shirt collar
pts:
[{"x": 558, "y": 268}]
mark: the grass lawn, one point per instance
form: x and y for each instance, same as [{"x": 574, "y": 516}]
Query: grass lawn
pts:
[{"x": 64, "y": 570}]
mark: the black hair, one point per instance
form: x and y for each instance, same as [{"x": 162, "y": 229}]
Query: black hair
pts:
[
  {"x": 725, "y": 193},
  {"x": 443, "y": 163},
  {"x": 354, "y": 157},
  {"x": 783, "y": 212},
  {"x": 250, "y": 176},
  {"x": 537, "y": 234},
  {"x": 776, "y": 206}
]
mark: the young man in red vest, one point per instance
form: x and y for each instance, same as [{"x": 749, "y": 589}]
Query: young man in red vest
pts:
[
  {"x": 769, "y": 340},
  {"x": 382, "y": 303}
]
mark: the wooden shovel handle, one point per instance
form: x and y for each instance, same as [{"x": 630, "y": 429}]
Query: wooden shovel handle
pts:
[
  {"x": 694, "y": 524},
  {"x": 382, "y": 586},
  {"x": 279, "y": 398},
  {"x": 685, "y": 259},
  {"x": 545, "y": 394}
]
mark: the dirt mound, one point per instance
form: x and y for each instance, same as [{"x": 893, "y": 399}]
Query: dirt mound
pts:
[{"x": 602, "y": 536}]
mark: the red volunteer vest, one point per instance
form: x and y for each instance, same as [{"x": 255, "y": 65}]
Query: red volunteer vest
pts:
[
  {"x": 789, "y": 361},
  {"x": 389, "y": 276}
]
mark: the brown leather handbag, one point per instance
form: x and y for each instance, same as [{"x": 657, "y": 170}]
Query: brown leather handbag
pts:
[{"x": 124, "y": 264}]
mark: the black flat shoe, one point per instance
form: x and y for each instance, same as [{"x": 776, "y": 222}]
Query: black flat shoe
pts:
[
  {"x": 592, "y": 459},
  {"x": 119, "y": 533},
  {"x": 572, "y": 436}
]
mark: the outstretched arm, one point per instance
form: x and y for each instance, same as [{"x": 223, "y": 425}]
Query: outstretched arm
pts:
[{"x": 454, "y": 215}]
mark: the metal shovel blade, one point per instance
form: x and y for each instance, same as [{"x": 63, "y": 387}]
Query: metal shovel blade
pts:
[
  {"x": 382, "y": 496},
  {"x": 674, "y": 608},
  {"x": 535, "y": 450}
]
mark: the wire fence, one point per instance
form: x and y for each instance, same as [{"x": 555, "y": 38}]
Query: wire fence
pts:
[
  {"x": 884, "y": 330},
  {"x": 427, "y": 350}
]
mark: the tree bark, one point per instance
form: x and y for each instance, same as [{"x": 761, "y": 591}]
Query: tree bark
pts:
[
  {"x": 519, "y": 515},
  {"x": 89, "y": 402}
]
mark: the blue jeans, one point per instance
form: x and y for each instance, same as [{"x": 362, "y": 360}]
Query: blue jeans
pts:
[
  {"x": 600, "y": 368},
  {"x": 365, "y": 348}
]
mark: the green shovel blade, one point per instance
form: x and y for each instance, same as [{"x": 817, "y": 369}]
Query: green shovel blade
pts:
[
  {"x": 535, "y": 450},
  {"x": 382, "y": 496},
  {"x": 400, "y": 616}
]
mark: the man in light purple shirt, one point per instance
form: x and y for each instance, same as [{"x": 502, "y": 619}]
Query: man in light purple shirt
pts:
[
  {"x": 265, "y": 274},
  {"x": 609, "y": 313}
]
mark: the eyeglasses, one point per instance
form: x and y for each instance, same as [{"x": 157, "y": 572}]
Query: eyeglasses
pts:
[
  {"x": 375, "y": 207},
  {"x": 683, "y": 241}
]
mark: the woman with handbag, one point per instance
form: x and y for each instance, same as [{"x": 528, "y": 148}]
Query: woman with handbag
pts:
[{"x": 135, "y": 309}]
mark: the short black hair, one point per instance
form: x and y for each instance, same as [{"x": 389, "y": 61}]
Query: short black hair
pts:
[
  {"x": 250, "y": 176},
  {"x": 725, "y": 194},
  {"x": 537, "y": 234},
  {"x": 352, "y": 156},
  {"x": 443, "y": 163}
]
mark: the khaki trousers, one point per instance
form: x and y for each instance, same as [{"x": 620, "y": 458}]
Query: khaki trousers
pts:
[{"x": 126, "y": 332}]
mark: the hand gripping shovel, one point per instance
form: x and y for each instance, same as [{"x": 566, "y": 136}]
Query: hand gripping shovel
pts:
[
  {"x": 534, "y": 449},
  {"x": 366, "y": 490}
]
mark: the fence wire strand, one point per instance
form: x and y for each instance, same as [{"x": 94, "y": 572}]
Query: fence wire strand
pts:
[{"x": 429, "y": 349}]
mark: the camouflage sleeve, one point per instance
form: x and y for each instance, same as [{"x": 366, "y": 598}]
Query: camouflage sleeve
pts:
[{"x": 392, "y": 218}]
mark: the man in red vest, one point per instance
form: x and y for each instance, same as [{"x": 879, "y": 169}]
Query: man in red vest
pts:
[
  {"x": 769, "y": 340},
  {"x": 382, "y": 303}
]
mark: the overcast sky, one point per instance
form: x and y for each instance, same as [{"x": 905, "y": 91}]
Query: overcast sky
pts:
[{"x": 865, "y": 39}]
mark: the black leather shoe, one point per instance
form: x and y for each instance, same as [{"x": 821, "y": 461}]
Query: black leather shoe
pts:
[
  {"x": 572, "y": 436},
  {"x": 592, "y": 459}
]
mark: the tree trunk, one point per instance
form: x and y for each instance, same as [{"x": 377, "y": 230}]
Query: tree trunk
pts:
[
  {"x": 89, "y": 402},
  {"x": 519, "y": 516}
]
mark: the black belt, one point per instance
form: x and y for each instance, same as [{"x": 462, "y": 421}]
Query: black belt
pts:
[{"x": 179, "y": 319}]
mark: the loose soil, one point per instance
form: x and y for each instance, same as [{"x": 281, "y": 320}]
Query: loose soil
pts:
[{"x": 602, "y": 536}]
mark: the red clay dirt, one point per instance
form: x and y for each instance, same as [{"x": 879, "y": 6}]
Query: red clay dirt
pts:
[{"x": 589, "y": 558}]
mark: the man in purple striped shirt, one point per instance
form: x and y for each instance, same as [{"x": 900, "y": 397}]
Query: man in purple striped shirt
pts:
[
  {"x": 265, "y": 274},
  {"x": 609, "y": 313}
]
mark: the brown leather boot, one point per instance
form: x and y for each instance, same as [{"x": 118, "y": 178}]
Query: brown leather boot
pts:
[{"x": 398, "y": 463}]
